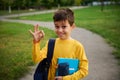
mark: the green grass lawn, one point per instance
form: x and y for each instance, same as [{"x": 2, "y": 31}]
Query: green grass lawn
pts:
[
  {"x": 16, "y": 49},
  {"x": 106, "y": 23},
  {"x": 37, "y": 17},
  {"x": 6, "y": 12}
]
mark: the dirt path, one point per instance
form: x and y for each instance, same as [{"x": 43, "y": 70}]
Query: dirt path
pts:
[{"x": 102, "y": 65}]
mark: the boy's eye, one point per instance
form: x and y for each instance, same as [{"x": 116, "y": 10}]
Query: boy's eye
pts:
[
  {"x": 63, "y": 27},
  {"x": 56, "y": 27}
]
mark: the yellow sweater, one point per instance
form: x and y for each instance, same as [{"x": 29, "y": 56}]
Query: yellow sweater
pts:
[{"x": 65, "y": 49}]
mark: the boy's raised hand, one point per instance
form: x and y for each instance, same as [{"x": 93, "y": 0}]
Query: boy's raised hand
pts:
[{"x": 37, "y": 34}]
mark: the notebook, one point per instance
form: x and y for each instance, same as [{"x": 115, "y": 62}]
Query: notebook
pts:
[{"x": 73, "y": 64}]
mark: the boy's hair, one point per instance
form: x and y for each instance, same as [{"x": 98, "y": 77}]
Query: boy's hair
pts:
[{"x": 64, "y": 14}]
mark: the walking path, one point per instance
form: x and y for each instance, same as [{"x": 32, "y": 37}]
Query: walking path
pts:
[{"x": 102, "y": 65}]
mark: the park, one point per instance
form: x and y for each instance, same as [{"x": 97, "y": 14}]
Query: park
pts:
[{"x": 97, "y": 30}]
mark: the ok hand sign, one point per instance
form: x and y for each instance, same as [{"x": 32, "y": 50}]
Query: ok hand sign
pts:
[{"x": 37, "y": 34}]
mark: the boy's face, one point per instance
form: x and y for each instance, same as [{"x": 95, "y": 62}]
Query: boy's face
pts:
[{"x": 63, "y": 29}]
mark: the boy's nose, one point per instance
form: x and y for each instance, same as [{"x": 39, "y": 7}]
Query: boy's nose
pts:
[{"x": 60, "y": 29}]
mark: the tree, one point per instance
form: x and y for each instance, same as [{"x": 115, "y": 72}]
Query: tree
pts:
[
  {"x": 102, "y": 5},
  {"x": 78, "y": 2},
  {"x": 57, "y": 3},
  {"x": 18, "y": 4},
  {"x": 9, "y": 4},
  {"x": 86, "y": 2}
]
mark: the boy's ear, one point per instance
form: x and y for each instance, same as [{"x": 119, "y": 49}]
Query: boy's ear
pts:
[{"x": 73, "y": 26}]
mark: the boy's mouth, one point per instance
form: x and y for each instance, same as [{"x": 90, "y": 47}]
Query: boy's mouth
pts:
[{"x": 60, "y": 34}]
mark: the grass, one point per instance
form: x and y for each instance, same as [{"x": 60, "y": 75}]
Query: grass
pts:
[
  {"x": 16, "y": 49},
  {"x": 37, "y": 17},
  {"x": 6, "y": 12},
  {"x": 106, "y": 23}
]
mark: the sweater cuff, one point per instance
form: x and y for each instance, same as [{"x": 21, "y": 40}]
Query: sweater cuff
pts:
[{"x": 34, "y": 41}]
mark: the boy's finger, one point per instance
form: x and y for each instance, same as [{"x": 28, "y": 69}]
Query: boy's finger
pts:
[
  {"x": 31, "y": 32},
  {"x": 56, "y": 66},
  {"x": 43, "y": 34},
  {"x": 36, "y": 28}
]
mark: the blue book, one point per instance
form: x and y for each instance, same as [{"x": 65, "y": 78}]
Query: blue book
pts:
[{"x": 73, "y": 64}]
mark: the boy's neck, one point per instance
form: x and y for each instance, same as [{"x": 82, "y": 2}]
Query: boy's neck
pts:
[{"x": 66, "y": 38}]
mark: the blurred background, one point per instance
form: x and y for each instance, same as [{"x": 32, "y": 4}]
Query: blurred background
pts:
[{"x": 32, "y": 5}]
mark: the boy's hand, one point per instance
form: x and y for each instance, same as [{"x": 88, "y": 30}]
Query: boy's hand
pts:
[
  {"x": 37, "y": 34},
  {"x": 58, "y": 78}
]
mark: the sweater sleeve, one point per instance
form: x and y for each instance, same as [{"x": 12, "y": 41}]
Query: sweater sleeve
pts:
[
  {"x": 83, "y": 65},
  {"x": 37, "y": 53}
]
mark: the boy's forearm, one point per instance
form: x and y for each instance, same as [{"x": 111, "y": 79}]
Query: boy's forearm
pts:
[{"x": 37, "y": 53}]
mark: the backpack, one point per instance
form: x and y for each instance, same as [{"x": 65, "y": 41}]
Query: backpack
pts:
[{"x": 41, "y": 72}]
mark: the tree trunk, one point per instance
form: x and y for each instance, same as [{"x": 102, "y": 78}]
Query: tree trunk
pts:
[
  {"x": 9, "y": 9},
  {"x": 102, "y": 5},
  {"x": 58, "y": 5}
]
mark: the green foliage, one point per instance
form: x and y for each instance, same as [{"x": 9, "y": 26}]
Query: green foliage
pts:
[
  {"x": 36, "y": 4},
  {"x": 78, "y": 2},
  {"x": 66, "y": 2}
]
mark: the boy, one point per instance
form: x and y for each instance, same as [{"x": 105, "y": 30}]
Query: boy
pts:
[{"x": 65, "y": 46}]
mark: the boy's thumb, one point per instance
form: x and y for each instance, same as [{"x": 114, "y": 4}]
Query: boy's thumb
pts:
[{"x": 31, "y": 32}]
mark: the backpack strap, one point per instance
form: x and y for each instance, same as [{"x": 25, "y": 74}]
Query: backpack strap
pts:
[
  {"x": 50, "y": 51},
  {"x": 41, "y": 72}
]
